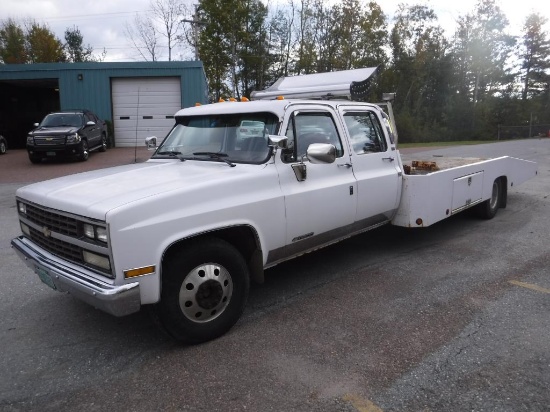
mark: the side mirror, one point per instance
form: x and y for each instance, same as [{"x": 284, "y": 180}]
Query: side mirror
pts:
[
  {"x": 280, "y": 142},
  {"x": 151, "y": 142},
  {"x": 90, "y": 123},
  {"x": 35, "y": 124},
  {"x": 321, "y": 153}
]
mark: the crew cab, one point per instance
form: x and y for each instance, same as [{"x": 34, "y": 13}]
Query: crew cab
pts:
[
  {"x": 185, "y": 232},
  {"x": 67, "y": 133}
]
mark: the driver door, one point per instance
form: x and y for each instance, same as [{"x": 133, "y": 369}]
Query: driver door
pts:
[{"x": 322, "y": 206}]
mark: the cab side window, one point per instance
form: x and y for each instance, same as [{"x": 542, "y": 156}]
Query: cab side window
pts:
[
  {"x": 365, "y": 132},
  {"x": 305, "y": 128}
]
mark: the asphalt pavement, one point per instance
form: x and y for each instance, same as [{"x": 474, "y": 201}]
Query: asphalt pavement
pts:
[{"x": 453, "y": 317}]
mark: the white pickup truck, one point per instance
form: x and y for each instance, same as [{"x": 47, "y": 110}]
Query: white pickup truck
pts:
[{"x": 235, "y": 188}]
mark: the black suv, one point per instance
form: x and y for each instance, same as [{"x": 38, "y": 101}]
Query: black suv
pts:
[{"x": 67, "y": 133}]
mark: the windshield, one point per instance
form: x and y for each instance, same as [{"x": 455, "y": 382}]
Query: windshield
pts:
[
  {"x": 65, "y": 119},
  {"x": 239, "y": 138}
]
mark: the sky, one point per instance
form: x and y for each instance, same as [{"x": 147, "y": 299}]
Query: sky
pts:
[{"x": 102, "y": 23}]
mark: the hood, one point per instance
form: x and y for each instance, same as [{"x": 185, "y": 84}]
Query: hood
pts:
[
  {"x": 48, "y": 131},
  {"x": 94, "y": 194}
]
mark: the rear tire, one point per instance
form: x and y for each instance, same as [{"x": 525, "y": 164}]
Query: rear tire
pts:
[
  {"x": 489, "y": 208},
  {"x": 204, "y": 291},
  {"x": 103, "y": 147}
]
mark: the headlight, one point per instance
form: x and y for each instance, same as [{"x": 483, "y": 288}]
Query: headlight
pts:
[
  {"x": 95, "y": 232},
  {"x": 22, "y": 207},
  {"x": 30, "y": 140},
  {"x": 101, "y": 234},
  {"x": 25, "y": 229},
  {"x": 96, "y": 260},
  {"x": 89, "y": 231},
  {"x": 73, "y": 138}
]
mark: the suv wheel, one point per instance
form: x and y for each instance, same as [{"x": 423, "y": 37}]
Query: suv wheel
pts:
[
  {"x": 84, "y": 151},
  {"x": 103, "y": 147}
]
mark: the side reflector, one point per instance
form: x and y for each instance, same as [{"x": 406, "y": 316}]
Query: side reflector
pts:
[
  {"x": 132, "y": 273},
  {"x": 280, "y": 97}
]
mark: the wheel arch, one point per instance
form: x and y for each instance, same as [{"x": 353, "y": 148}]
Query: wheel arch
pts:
[{"x": 243, "y": 237}]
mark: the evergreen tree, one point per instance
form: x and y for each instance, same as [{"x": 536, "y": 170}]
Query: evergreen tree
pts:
[
  {"x": 535, "y": 56},
  {"x": 74, "y": 48}
]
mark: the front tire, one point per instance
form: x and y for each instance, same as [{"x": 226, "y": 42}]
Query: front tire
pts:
[
  {"x": 489, "y": 208},
  {"x": 204, "y": 291},
  {"x": 3, "y": 146},
  {"x": 84, "y": 151}
]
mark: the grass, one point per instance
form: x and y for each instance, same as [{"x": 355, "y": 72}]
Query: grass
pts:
[{"x": 439, "y": 144}]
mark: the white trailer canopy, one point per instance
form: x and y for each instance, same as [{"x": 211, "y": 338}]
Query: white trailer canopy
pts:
[{"x": 345, "y": 83}]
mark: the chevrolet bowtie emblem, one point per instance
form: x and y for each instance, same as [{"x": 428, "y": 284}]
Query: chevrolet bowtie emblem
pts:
[{"x": 46, "y": 232}]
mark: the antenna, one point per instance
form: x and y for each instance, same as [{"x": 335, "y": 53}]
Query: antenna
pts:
[{"x": 137, "y": 123}]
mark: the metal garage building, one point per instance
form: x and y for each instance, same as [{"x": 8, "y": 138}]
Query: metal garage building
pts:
[{"x": 138, "y": 99}]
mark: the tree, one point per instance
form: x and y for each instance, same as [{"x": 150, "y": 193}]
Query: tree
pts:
[
  {"x": 42, "y": 45},
  {"x": 169, "y": 15},
  {"x": 484, "y": 49},
  {"x": 144, "y": 38},
  {"x": 535, "y": 56},
  {"x": 361, "y": 33},
  {"x": 233, "y": 45},
  {"x": 162, "y": 21},
  {"x": 12, "y": 43},
  {"x": 420, "y": 68},
  {"x": 74, "y": 48},
  {"x": 280, "y": 42}
]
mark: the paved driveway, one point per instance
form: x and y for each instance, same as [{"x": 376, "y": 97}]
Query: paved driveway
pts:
[
  {"x": 454, "y": 317},
  {"x": 15, "y": 166}
]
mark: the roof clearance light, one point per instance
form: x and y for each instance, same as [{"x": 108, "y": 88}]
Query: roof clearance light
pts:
[
  {"x": 244, "y": 99},
  {"x": 232, "y": 99},
  {"x": 221, "y": 100},
  {"x": 280, "y": 97},
  {"x": 197, "y": 104}
]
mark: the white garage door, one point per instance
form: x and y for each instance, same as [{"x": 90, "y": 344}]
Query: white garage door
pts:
[{"x": 144, "y": 107}]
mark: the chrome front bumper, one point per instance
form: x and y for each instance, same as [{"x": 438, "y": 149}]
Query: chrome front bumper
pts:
[{"x": 78, "y": 281}]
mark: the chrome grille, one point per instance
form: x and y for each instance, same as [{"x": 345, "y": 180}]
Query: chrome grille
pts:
[
  {"x": 54, "y": 221},
  {"x": 57, "y": 247},
  {"x": 49, "y": 140},
  {"x": 48, "y": 222}
]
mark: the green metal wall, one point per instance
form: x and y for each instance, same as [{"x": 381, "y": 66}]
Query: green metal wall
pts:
[{"x": 88, "y": 85}]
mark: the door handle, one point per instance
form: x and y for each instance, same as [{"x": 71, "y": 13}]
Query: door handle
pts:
[
  {"x": 348, "y": 165},
  {"x": 391, "y": 159}
]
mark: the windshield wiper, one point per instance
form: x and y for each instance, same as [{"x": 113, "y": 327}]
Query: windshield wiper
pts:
[
  {"x": 173, "y": 153},
  {"x": 215, "y": 155}
]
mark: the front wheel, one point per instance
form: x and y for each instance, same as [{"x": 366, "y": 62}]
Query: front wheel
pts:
[
  {"x": 84, "y": 151},
  {"x": 204, "y": 291},
  {"x": 489, "y": 208}
]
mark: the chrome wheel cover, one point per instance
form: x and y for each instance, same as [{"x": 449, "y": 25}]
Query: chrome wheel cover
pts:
[{"x": 205, "y": 292}]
